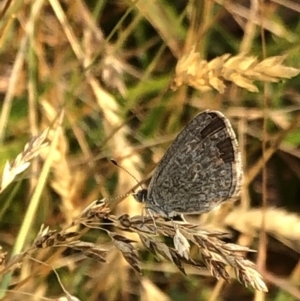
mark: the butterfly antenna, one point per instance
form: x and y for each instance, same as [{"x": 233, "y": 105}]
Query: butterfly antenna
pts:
[
  {"x": 129, "y": 173},
  {"x": 122, "y": 196}
]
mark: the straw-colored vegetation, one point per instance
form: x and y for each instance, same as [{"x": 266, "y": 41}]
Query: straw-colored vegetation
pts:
[{"x": 84, "y": 82}]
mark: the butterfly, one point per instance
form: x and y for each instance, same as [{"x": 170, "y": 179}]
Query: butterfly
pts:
[{"x": 200, "y": 170}]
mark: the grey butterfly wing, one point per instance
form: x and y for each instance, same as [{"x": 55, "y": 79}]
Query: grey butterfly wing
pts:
[{"x": 201, "y": 169}]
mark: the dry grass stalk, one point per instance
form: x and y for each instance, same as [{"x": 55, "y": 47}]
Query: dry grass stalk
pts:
[
  {"x": 216, "y": 254},
  {"x": 2, "y": 256},
  {"x": 22, "y": 161},
  {"x": 285, "y": 226},
  {"x": 63, "y": 180},
  {"x": 241, "y": 70}
]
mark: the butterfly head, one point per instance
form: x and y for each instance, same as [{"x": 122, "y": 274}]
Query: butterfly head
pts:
[{"x": 141, "y": 195}]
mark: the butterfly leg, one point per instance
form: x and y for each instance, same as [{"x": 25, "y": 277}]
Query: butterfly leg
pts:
[{"x": 149, "y": 211}]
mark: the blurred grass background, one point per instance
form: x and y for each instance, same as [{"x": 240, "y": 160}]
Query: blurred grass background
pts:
[{"x": 109, "y": 65}]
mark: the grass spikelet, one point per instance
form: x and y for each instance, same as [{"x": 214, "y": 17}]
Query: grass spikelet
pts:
[
  {"x": 216, "y": 254},
  {"x": 31, "y": 150},
  {"x": 241, "y": 70}
]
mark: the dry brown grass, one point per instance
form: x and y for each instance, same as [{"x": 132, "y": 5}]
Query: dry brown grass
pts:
[
  {"x": 96, "y": 77},
  {"x": 215, "y": 254}
]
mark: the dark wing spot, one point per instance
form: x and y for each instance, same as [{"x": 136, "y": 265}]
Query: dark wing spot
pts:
[
  {"x": 215, "y": 125},
  {"x": 226, "y": 150}
]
